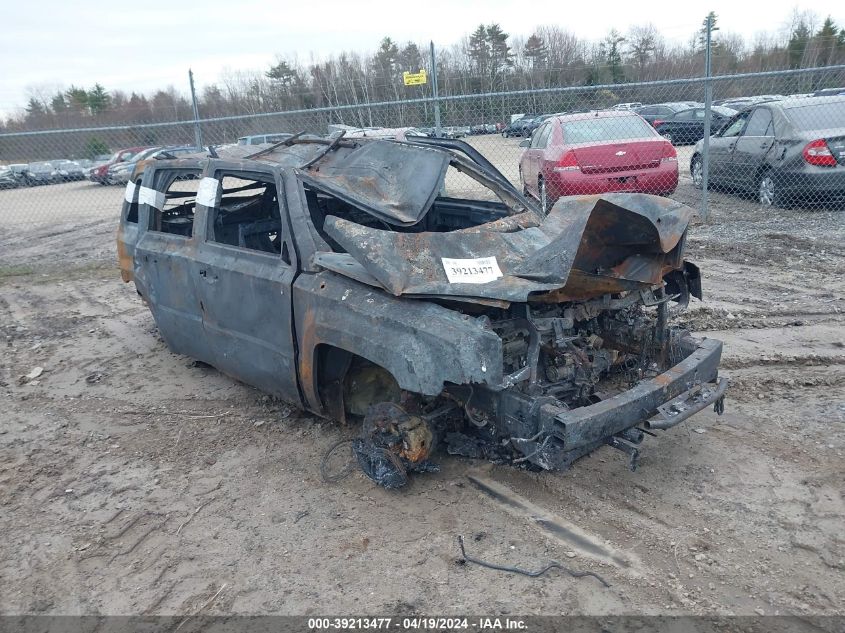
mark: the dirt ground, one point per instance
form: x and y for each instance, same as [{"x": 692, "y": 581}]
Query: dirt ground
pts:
[{"x": 134, "y": 482}]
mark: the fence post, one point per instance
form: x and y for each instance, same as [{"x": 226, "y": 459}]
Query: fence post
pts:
[
  {"x": 434, "y": 92},
  {"x": 708, "y": 104},
  {"x": 197, "y": 129}
]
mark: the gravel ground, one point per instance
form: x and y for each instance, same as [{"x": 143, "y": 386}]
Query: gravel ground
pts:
[{"x": 134, "y": 482}]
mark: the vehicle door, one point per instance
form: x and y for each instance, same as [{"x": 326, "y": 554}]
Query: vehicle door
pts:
[
  {"x": 676, "y": 127},
  {"x": 244, "y": 267},
  {"x": 659, "y": 113},
  {"x": 533, "y": 157},
  {"x": 751, "y": 148},
  {"x": 540, "y": 150},
  {"x": 129, "y": 228},
  {"x": 164, "y": 260},
  {"x": 722, "y": 147},
  {"x": 695, "y": 131}
]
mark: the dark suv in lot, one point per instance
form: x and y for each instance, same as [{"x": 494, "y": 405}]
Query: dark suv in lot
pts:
[
  {"x": 781, "y": 151},
  {"x": 338, "y": 274}
]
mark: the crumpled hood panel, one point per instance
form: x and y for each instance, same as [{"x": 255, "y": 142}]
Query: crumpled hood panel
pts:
[
  {"x": 394, "y": 182},
  {"x": 612, "y": 242}
]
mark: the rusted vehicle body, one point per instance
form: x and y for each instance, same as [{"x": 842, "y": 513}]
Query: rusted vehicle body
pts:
[{"x": 338, "y": 274}]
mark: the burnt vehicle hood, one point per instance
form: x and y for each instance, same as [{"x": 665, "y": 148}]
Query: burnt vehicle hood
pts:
[
  {"x": 395, "y": 182},
  {"x": 587, "y": 246}
]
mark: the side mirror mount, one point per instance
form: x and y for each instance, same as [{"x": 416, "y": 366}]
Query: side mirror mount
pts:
[{"x": 526, "y": 142}]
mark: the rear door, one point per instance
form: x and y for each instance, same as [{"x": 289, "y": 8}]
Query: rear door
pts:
[
  {"x": 164, "y": 262},
  {"x": 534, "y": 156},
  {"x": 751, "y": 148},
  {"x": 722, "y": 149},
  {"x": 244, "y": 268},
  {"x": 676, "y": 126}
]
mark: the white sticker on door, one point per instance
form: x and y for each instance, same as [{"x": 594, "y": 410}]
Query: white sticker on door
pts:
[
  {"x": 151, "y": 197},
  {"x": 130, "y": 192},
  {"x": 207, "y": 192},
  {"x": 480, "y": 270}
]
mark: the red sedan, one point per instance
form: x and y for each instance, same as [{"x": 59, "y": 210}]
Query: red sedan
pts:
[
  {"x": 596, "y": 152},
  {"x": 100, "y": 173}
]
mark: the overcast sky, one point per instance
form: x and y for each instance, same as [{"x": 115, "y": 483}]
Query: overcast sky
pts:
[{"x": 147, "y": 45}]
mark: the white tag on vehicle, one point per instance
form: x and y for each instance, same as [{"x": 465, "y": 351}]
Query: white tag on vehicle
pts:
[
  {"x": 479, "y": 270},
  {"x": 130, "y": 192},
  {"x": 207, "y": 192},
  {"x": 151, "y": 197}
]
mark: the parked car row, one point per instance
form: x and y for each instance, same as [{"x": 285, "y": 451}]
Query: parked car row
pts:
[
  {"x": 780, "y": 151},
  {"x": 41, "y": 173},
  {"x": 100, "y": 173},
  {"x": 128, "y": 163}
]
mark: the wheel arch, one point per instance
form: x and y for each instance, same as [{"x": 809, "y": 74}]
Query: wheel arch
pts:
[{"x": 333, "y": 367}]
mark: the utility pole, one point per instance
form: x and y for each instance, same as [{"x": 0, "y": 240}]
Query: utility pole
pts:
[
  {"x": 708, "y": 104},
  {"x": 197, "y": 130},
  {"x": 434, "y": 92}
]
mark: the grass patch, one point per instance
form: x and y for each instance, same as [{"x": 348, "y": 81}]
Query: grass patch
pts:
[
  {"x": 15, "y": 271},
  {"x": 50, "y": 274}
]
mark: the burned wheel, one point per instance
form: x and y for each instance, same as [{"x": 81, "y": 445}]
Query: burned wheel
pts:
[
  {"x": 380, "y": 464},
  {"x": 392, "y": 444}
]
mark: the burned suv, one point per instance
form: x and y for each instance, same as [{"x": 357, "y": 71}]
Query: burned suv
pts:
[{"x": 339, "y": 274}]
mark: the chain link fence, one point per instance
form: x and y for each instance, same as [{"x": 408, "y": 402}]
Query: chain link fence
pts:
[{"x": 777, "y": 138}]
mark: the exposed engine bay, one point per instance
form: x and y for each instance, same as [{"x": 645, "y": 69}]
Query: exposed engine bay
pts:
[{"x": 566, "y": 356}]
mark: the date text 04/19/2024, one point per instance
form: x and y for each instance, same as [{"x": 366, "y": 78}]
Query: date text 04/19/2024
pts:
[{"x": 417, "y": 623}]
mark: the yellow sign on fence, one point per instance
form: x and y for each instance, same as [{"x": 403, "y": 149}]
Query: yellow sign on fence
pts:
[{"x": 414, "y": 79}]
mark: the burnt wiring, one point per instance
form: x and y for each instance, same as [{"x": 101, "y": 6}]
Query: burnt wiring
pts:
[
  {"x": 465, "y": 406},
  {"x": 537, "y": 451},
  {"x": 345, "y": 471},
  {"x": 525, "y": 572}
]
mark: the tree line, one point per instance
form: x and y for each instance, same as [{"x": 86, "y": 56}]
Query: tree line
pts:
[{"x": 486, "y": 60}]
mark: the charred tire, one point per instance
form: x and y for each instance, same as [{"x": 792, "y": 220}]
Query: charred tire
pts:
[{"x": 696, "y": 170}]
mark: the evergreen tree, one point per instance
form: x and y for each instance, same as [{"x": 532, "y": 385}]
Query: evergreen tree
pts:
[
  {"x": 536, "y": 51},
  {"x": 282, "y": 74},
  {"x": 479, "y": 49},
  {"x": 77, "y": 99},
  {"x": 58, "y": 103},
  {"x": 501, "y": 56},
  {"x": 613, "y": 56},
  {"x": 410, "y": 58},
  {"x": 98, "y": 100},
  {"x": 94, "y": 147},
  {"x": 798, "y": 41},
  {"x": 34, "y": 108},
  {"x": 386, "y": 56},
  {"x": 827, "y": 42}
]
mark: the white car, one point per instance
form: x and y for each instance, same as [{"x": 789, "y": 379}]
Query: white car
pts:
[{"x": 627, "y": 106}]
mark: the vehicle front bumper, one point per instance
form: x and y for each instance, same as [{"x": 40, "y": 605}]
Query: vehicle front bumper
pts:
[{"x": 673, "y": 396}]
